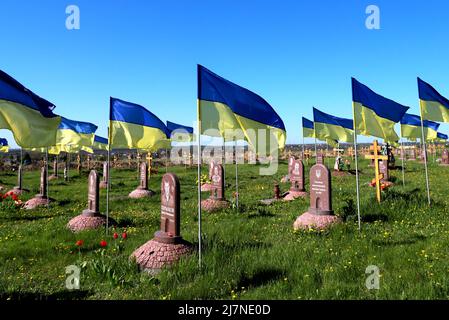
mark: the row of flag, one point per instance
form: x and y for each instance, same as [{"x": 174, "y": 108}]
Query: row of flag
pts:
[
  {"x": 225, "y": 109},
  {"x": 375, "y": 115},
  {"x": 35, "y": 127}
]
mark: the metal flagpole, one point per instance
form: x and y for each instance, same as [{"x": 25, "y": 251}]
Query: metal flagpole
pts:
[
  {"x": 425, "y": 153},
  {"x": 356, "y": 168},
  {"x": 199, "y": 179},
  {"x": 46, "y": 165},
  {"x": 236, "y": 177},
  {"x": 402, "y": 157},
  {"x": 108, "y": 177}
]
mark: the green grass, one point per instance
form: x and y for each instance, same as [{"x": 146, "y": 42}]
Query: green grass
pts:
[{"x": 250, "y": 254}]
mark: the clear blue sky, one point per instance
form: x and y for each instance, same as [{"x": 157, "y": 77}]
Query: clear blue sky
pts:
[{"x": 296, "y": 54}]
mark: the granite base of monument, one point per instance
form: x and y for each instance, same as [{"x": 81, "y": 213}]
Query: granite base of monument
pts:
[
  {"x": 37, "y": 201},
  {"x": 53, "y": 177},
  {"x": 141, "y": 193},
  {"x": 206, "y": 187},
  {"x": 154, "y": 255},
  {"x": 292, "y": 195},
  {"x": 87, "y": 221},
  {"x": 315, "y": 221},
  {"x": 340, "y": 173},
  {"x": 211, "y": 205},
  {"x": 17, "y": 191}
]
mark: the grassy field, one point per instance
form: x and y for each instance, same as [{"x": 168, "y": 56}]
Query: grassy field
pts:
[{"x": 252, "y": 253}]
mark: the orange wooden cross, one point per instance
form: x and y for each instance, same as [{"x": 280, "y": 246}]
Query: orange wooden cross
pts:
[{"x": 377, "y": 157}]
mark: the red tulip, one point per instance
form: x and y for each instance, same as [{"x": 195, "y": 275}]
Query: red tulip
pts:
[
  {"x": 115, "y": 235},
  {"x": 79, "y": 243},
  {"x": 124, "y": 235},
  {"x": 103, "y": 243}
]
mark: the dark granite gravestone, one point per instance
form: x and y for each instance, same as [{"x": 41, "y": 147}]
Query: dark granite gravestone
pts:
[
  {"x": 55, "y": 174},
  {"x": 167, "y": 246},
  {"x": 445, "y": 157},
  {"x": 217, "y": 197},
  {"x": 41, "y": 198},
  {"x": 320, "y": 214},
  {"x": 291, "y": 160},
  {"x": 90, "y": 218},
  {"x": 383, "y": 169},
  {"x": 412, "y": 154},
  {"x": 142, "y": 190},
  {"x": 297, "y": 181},
  {"x": 18, "y": 190},
  {"x": 104, "y": 182}
]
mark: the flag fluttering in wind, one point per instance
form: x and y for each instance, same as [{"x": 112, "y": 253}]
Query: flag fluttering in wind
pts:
[
  {"x": 441, "y": 136},
  {"x": 411, "y": 127},
  {"x": 329, "y": 127},
  {"x": 307, "y": 128},
  {"x": 179, "y": 133},
  {"x": 75, "y": 135},
  {"x": 100, "y": 143},
  {"x": 4, "y": 147},
  {"x": 134, "y": 127},
  {"x": 226, "y": 108},
  {"x": 374, "y": 114},
  {"x": 28, "y": 116},
  {"x": 433, "y": 105}
]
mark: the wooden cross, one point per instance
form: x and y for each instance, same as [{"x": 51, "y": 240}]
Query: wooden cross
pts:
[
  {"x": 377, "y": 157},
  {"x": 149, "y": 158}
]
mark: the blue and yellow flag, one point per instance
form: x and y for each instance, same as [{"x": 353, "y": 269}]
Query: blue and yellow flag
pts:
[
  {"x": 433, "y": 105},
  {"x": 308, "y": 129},
  {"x": 235, "y": 113},
  {"x": 28, "y": 116},
  {"x": 331, "y": 127},
  {"x": 134, "y": 127},
  {"x": 179, "y": 133},
  {"x": 411, "y": 127},
  {"x": 441, "y": 136},
  {"x": 375, "y": 115},
  {"x": 100, "y": 143},
  {"x": 74, "y": 135},
  {"x": 4, "y": 147}
]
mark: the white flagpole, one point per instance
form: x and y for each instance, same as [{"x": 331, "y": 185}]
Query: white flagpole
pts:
[
  {"x": 199, "y": 182},
  {"x": 46, "y": 165},
  {"x": 108, "y": 177},
  {"x": 402, "y": 157},
  {"x": 425, "y": 153},
  {"x": 236, "y": 176},
  {"x": 356, "y": 168}
]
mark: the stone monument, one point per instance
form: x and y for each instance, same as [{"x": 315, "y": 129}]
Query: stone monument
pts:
[
  {"x": 104, "y": 182},
  {"x": 217, "y": 199},
  {"x": 142, "y": 190},
  {"x": 320, "y": 214},
  {"x": 167, "y": 246},
  {"x": 41, "y": 198},
  {"x": 297, "y": 188},
  {"x": 91, "y": 218}
]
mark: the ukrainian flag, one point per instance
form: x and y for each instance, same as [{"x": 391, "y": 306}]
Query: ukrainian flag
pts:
[
  {"x": 179, "y": 133},
  {"x": 28, "y": 116},
  {"x": 54, "y": 150},
  {"x": 331, "y": 127},
  {"x": 411, "y": 127},
  {"x": 75, "y": 134},
  {"x": 4, "y": 147},
  {"x": 433, "y": 105},
  {"x": 100, "y": 143},
  {"x": 134, "y": 127},
  {"x": 441, "y": 136},
  {"x": 308, "y": 129},
  {"x": 375, "y": 115},
  {"x": 225, "y": 108}
]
